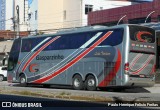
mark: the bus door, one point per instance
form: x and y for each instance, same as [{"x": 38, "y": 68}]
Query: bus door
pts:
[{"x": 142, "y": 52}]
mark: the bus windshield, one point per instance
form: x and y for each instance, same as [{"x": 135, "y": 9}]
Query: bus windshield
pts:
[{"x": 14, "y": 54}]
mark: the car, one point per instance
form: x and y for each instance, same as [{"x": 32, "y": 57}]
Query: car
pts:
[{"x": 3, "y": 73}]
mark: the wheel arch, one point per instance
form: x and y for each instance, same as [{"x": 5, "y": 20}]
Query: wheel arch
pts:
[
  {"x": 22, "y": 74},
  {"x": 83, "y": 78}
]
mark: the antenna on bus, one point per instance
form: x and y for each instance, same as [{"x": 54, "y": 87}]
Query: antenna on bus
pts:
[
  {"x": 121, "y": 19},
  {"x": 149, "y": 15}
]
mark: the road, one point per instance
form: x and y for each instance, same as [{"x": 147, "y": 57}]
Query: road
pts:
[
  {"x": 136, "y": 94},
  {"x": 152, "y": 93},
  {"x": 28, "y": 103}
]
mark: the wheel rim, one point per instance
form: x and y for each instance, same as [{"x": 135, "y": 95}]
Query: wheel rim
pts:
[
  {"x": 76, "y": 82},
  {"x": 23, "y": 80},
  {"x": 91, "y": 82},
  {"x": 1, "y": 78}
]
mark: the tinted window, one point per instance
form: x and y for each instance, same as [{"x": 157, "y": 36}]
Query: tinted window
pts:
[
  {"x": 114, "y": 39},
  {"x": 14, "y": 54},
  {"x": 70, "y": 41},
  {"x": 142, "y": 34},
  {"x": 4, "y": 68},
  {"x": 76, "y": 40},
  {"x": 16, "y": 46},
  {"x": 29, "y": 44}
]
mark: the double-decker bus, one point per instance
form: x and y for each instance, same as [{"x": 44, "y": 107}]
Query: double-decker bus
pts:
[{"x": 88, "y": 57}]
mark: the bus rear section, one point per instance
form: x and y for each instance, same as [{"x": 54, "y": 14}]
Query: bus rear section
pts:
[{"x": 141, "y": 63}]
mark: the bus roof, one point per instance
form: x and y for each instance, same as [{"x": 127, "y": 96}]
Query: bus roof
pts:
[{"x": 82, "y": 29}]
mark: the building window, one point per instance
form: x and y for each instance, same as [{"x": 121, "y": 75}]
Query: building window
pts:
[
  {"x": 64, "y": 14},
  {"x": 88, "y": 8},
  {"x": 36, "y": 15},
  {"x": 2, "y": 11},
  {"x": 101, "y": 8}
]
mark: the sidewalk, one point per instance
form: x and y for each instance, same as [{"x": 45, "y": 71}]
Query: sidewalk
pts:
[{"x": 157, "y": 85}]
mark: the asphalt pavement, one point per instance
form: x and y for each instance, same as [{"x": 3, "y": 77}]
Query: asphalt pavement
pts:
[
  {"x": 150, "y": 94},
  {"x": 11, "y": 102}
]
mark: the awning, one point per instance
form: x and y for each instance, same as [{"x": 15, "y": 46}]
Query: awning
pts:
[
  {"x": 5, "y": 46},
  {"x": 155, "y": 26}
]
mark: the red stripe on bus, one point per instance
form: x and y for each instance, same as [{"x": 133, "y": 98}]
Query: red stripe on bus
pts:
[
  {"x": 113, "y": 72},
  {"x": 138, "y": 71},
  {"x": 135, "y": 61},
  {"x": 153, "y": 69},
  {"x": 41, "y": 80},
  {"x": 37, "y": 52}
]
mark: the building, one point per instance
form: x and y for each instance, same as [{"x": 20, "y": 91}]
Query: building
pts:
[
  {"x": 50, "y": 15},
  {"x": 8, "y": 15},
  {"x": 23, "y": 15},
  {"x": 134, "y": 14}
]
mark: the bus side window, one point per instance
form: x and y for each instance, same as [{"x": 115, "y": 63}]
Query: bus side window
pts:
[
  {"x": 77, "y": 40},
  {"x": 36, "y": 41},
  {"x": 26, "y": 45},
  {"x": 114, "y": 39}
]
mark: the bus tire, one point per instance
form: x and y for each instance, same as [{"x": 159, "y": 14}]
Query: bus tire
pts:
[
  {"x": 23, "y": 82},
  {"x": 1, "y": 78},
  {"x": 77, "y": 82},
  {"x": 90, "y": 83}
]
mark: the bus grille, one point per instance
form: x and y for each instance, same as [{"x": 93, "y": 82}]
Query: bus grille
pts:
[{"x": 109, "y": 66}]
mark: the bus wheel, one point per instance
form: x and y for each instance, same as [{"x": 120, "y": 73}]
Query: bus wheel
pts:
[
  {"x": 23, "y": 80},
  {"x": 77, "y": 82},
  {"x": 90, "y": 83},
  {"x": 1, "y": 78}
]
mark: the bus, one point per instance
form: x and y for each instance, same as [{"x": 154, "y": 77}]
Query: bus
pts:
[{"x": 86, "y": 58}]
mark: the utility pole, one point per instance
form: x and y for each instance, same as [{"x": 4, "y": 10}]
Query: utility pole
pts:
[
  {"x": 13, "y": 19},
  {"x": 17, "y": 9}
]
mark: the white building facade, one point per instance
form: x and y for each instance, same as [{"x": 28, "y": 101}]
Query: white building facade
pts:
[
  {"x": 8, "y": 14},
  {"x": 23, "y": 14}
]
